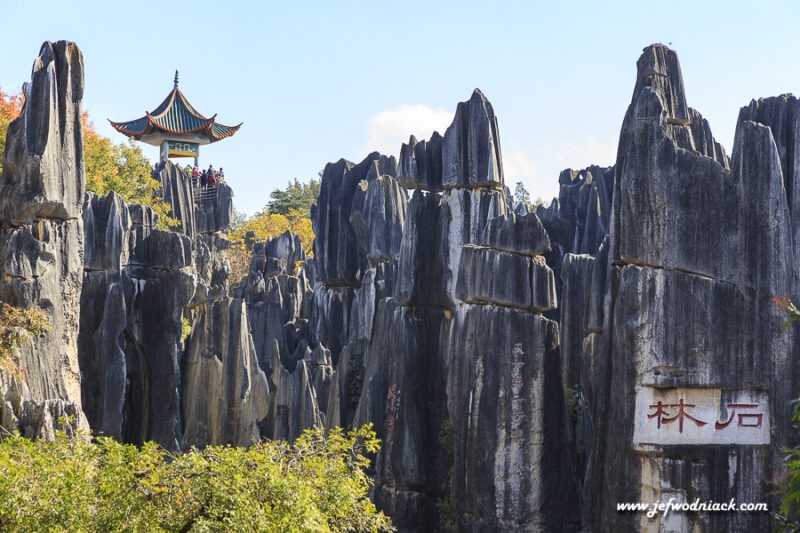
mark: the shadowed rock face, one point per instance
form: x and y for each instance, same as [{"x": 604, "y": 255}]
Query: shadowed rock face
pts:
[
  {"x": 136, "y": 283},
  {"x": 499, "y": 355},
  {"x": 341, "y": 198}
]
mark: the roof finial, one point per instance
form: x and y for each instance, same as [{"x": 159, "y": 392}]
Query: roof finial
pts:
[{"x": 176, "y": 79}]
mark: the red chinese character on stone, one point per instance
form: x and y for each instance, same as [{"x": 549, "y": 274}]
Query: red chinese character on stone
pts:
[
  {"x": 755, "y": 418},
  {"x": 663, "y": 417},
  {"x": 660, "y": 412}
]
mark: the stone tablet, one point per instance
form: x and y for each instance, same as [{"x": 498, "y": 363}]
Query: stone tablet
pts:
[{"x": 700, "y": 416}]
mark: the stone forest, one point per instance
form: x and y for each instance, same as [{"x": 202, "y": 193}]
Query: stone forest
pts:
[{"x": 532, "y": 368}]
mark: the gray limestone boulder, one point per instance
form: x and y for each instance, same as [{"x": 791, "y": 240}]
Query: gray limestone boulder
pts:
[
  {"x": 522, "y": 234},
  {"x": 465, "y": 214},
  {"x": 331, "y": 317},
  {"x": 384, "y": 214},
  {"x": 106, "y": 231},
  {"x": 489, "y": 276},
  {"x": 294, "y": 403},
  {"x": 422, "y": 268},
  {"x": 782, "y": 115},
  {"x": 215, "y": 215},
  {"x": 698, "y": 247},
  {"x": 403, "y": 395}
]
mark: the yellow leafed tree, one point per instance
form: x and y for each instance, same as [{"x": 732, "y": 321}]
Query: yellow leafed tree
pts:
[{"x": 264, "y": 226}]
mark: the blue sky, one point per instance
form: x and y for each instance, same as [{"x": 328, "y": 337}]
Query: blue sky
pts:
[{"x": 316, "y": 81}]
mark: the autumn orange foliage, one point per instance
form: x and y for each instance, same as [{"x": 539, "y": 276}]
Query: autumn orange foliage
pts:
[{"x": 10, "y": 108}]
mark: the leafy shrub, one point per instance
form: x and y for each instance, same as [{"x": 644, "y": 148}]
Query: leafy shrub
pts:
[{"x": 72, "y": 484}]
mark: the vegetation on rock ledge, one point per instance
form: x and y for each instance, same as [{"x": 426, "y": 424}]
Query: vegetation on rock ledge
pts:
[{"x": 18, "y": 326}]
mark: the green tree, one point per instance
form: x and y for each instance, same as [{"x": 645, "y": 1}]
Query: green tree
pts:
[
  {"x": 298, "y": 196},
  {"x": 521, "y": 194}
]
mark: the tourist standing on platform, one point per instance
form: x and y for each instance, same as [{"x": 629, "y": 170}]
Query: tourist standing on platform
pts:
[
  {"x": 203, "y": 179},
  {"x": 220, "y": 175}
]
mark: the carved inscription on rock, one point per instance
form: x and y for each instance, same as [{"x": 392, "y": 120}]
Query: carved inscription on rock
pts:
[{"x": 698, "y": 416}]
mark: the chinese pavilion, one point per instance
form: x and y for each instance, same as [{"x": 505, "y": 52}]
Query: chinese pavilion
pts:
[{"x": 176, "y": 127}]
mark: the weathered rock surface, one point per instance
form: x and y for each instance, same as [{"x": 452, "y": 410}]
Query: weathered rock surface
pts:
[
  {"x": 43, "y": 170},
  {"x": 522, "y": 234},
  {"x": 505, "y": 400},
  {"x": 523, "y": 281},
  {"x": 422, "y": 271},
  {"x": 41, "y": 236},
  {"x": 782, "y": 115},
  {"x": 420, "y": 165},
  {"x": 215, "y": 215},
  {"x": 176, "y": 189},
  {"x": 228, "y": 390},
  {"x": 136, "y": 284},
  {"x": 697, "y": 248},
  {"x": 340, "y": 259}
]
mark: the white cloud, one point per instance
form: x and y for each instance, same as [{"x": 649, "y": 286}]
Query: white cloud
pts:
[
  {"x": 517, "y": 163},
  {"x": 538, "y": 168},
  {"x": 591, "y": 152},
  {"x": 388, "y": 129}
]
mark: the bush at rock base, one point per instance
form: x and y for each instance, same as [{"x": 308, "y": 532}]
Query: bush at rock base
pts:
[{"x": 71, "y": 484}]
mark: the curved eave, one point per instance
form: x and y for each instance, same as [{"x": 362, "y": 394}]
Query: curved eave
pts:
[
  {"x": 222, "y": 131},
  {"x": 126, "y": 128},
  {"x": 175, "y": 116}
]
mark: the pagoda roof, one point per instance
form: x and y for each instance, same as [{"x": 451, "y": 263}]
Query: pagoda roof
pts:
[{"x": 175, "y": 115}]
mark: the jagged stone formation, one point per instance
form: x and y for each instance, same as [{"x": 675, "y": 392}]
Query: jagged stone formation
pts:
[
  {"x": 526, "y": 371},
  {"x": 41, "y": 236},
  {"x": 698, "y": 246}
]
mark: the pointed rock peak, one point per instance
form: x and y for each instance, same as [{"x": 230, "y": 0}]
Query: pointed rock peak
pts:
[
  {"x": 478, "y": 94},
  {"x": 471, "y": 154},
  {"x": 659, "y": 69}
]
